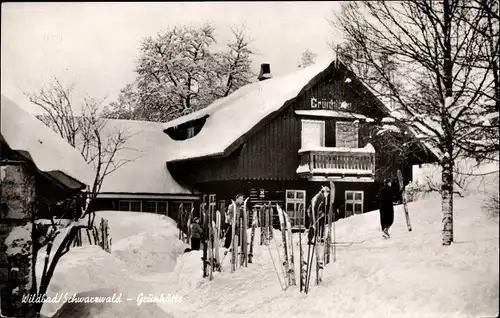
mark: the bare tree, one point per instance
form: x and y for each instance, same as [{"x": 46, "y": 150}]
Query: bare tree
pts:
[
  {"x": 99, "y": 146},
  {"x": 179, "y": 72},
  {"x": 441, "y": 75},
  {"x": 84, "y": 132}
]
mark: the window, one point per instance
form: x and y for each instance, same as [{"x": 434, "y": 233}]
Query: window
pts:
[
  {"x": 190, "y": 132},
  {"x": 295, "y": 206},
  {"x": 124, "y": 206},
  {"x": 346, "y": 134},
  {"x": 150, "y": 206},
  {"x": 127, "y": 205},
  {"x": 353, "y": 202},
  {"x": 135, "y": 206},
  {"x": 313, "y": 134},
  {"x": 160, "y": 207}
]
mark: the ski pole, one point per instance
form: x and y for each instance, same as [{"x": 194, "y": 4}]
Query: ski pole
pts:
[
  {"x": 310, "y": 265},
  {"x": 279, "y": 258},
  {"x": 334, "y": 240},
  {"x": 275, "y": 269}
]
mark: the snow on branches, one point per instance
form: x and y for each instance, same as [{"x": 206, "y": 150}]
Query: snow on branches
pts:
[
  {"x": 308, "y": 58},
  {"x": 388, "y": 128},
  {"x": 179, "y": 71}
]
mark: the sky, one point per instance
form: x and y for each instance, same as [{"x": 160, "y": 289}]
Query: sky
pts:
[{"x": 95, "y": 45}]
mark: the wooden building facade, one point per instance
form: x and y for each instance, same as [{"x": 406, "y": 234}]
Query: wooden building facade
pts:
[
  {"x": 334, "y": 129},
  {"x": 329, "y": 131}
]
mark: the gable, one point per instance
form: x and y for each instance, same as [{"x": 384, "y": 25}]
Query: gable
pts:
[{"x": 340, "y": 95}]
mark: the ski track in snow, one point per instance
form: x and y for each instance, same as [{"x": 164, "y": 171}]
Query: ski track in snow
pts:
[{"x": 408, "y": 275}]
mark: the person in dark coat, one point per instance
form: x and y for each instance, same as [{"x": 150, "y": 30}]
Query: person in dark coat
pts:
[
  {"x": 386, "y": 200},
  {"x": 196, "y": 232}
]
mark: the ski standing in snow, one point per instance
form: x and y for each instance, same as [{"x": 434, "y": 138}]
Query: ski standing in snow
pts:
[
  {"x": 244, "y": 236},
  {"x": 286, "y": 263},
  {"x": 403, "y": 197},
  {"x": 232, "y": 235},
  {"x": 288, "y": 229},
  {"x": 330, "y": 220},
  {"x": 205, "y": 237},
  {"x": 233, "y": 215},
  {"x": 303, "y": 264},
  {"x": 254, "y": 225},
  {"x": 217, "y": 240}
]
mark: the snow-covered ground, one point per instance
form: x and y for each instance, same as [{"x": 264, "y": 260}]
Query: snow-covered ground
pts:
[{"x": 409, "y": 275}]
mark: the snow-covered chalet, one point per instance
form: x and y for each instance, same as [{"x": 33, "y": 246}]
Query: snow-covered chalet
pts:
[{"x": 280, "y": 139}]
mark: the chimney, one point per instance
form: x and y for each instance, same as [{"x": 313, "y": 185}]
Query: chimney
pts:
[{"x": 265, "y": 72}]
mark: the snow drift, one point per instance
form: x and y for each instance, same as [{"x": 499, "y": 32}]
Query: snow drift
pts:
[
  {"x": 409, "y": 275},
  {"x": 146, "y": 242}
]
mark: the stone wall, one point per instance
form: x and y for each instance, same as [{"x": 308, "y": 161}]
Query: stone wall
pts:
[{"x": 17, "y": 201}]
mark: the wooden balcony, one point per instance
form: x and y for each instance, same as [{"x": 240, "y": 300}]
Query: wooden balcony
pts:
[{"x": 357, "y": 164}]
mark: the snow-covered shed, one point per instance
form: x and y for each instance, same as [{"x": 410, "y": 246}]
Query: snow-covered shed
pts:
[
  {"x": 59, "y": 169},
  {"x": 41, "y": 176}
]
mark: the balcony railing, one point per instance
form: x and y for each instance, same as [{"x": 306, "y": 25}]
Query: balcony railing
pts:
[{"x": 357, "y": 162}]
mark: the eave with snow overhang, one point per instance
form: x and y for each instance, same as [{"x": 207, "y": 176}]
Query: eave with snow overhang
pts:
[{"x": 26, "y": 139}]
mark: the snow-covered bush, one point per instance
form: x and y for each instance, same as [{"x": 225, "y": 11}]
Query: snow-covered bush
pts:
[
  {"x": 491, "y": 205},
  {"x": 415, "y": 191},
  {"x": 466, "y": 174}
]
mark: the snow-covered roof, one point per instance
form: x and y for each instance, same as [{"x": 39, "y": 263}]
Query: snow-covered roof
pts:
[
  {"x": 230, "y": 118},
  {"x": 48, "y": 151},
  {"x": 145, "y": 151},
  {"x": 235, "y": 115}
]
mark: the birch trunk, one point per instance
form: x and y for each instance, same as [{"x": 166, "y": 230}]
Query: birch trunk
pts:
[{"x": 447, "y": 200}]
